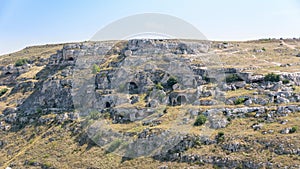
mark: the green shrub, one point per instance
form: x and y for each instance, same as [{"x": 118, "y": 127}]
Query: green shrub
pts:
[
  {"x": 94, "y": 115},
  {"x": 21, "y": 62},
  {"x": 39, "y": 110},
  {"x": 201, "y": 119},
  {"x": 31, "y": 162},
  {"x": 171, "y": 81},
  {"x": 106, "y": 115},
  {"x": 263, "y": 49},
  {"x": 239, "y": 100},
  {"x": 271, "y": 77},
  {"x": 220, "y": 137},
  {"x": 294, "y": 129},
  {"x": 232, "y": 78},
  {"x": 95, "y": 69},
  {"x": 285, "y": 81},
  {"x": 3, "y": 91},
  {"x": 47, "y": 165},
  {"x": 159, "y": 86}
]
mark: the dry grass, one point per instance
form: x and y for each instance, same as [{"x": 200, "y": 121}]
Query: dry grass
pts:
[
  {"x": 239, "y": 92},
  {"x": 31, "y": 53},
  {"x": 241, "y": 55},
  {"x": 31, "y": 74}
]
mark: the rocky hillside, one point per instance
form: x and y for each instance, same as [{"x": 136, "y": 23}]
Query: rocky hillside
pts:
[{"x": 151, "y": 104}]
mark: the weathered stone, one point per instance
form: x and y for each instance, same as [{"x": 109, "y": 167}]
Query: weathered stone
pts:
[
  {"x": 257, "y": 126},
  {"x": 285, "y": 131},
  {"x": 248, "y": 102},
  {"x": 239, "y": 85},
  {"x": 216, "y": 119}
]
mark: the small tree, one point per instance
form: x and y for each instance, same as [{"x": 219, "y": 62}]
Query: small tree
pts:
[
  {"x": 201, "y": 119},
  {"x": 21, "y": 62},
  {"x": 171, "y": 81},
  {"x": 232, "y": 78},
  {"x": 272, "y": 77}
]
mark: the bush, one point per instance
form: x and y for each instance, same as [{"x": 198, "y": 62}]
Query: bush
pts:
[
  {"x": 94, "y": 115},
  {"x": 220, "y": 137},
  {"x": 239, "y": 100},
  {"x": 3, "y": 91},
  {"x": 201, "y": 119},
  {"x": 95, "y": 69},
  {"x": 21, "y": 62},
  {"x": 39, "y": 110},
  {"x": 106, "y": 115},
  {"x": 294, "y": 129},
  {"x": 171, "y": 81},
  {"x": 285, "y": 81},
  {"x": 159, "y": 86},
  {"x": 271, "y": 77},
  {"x": 232, "y": 78}
]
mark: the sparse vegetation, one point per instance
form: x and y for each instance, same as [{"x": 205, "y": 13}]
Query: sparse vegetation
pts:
[
  {"x": 159, "y": 86},
  {"x": 171, "y": 81},
  {"x": 95, "y": 69},
  {"x": 94, "y": 115},
  {"x": 232, "y": 78},
  {"x": 3, "y": 91},
  {"x": 285, "y": 81},
  {"x": 201, "y": 119},
  {"x": 21, "y": 62},
  {"x": 39, "y": 110},
  {"x": 220, "y": 137},
  {"x": 272, "y": 77},
  {"x": 294, "y": 129},
  {"x": 106, "y": 115},
  {"x": 239, "y": 100}
]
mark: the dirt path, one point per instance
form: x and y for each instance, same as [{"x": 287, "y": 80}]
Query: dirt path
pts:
[{"x": 287, "y": 45}]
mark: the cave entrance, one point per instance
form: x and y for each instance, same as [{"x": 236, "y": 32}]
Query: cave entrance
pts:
[
  {"x": 181, "y": 100},
  {"x": 107, "y": 105},
  {"x": 133, "y": 88},
  {"x": 8, "y": 73}
]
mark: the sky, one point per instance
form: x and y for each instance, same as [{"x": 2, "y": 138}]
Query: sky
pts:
[{"x": 37, "y": 22}]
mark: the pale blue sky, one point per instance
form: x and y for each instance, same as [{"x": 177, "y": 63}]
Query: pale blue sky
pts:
[{"x": 33, "y": 22}]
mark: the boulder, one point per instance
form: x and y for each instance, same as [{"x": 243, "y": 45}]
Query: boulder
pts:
[
  {"x": 239, "y": 85},
  {"x": 153, "y": 103},
  {"x": 248, "y": 102},
  {"x": 285, "y": 131},
  {"x": 216, "y": 119},
  {"x": 257, "y": 126}
]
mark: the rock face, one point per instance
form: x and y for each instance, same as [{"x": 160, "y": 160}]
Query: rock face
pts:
[{"x": 154, "y": 83}]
